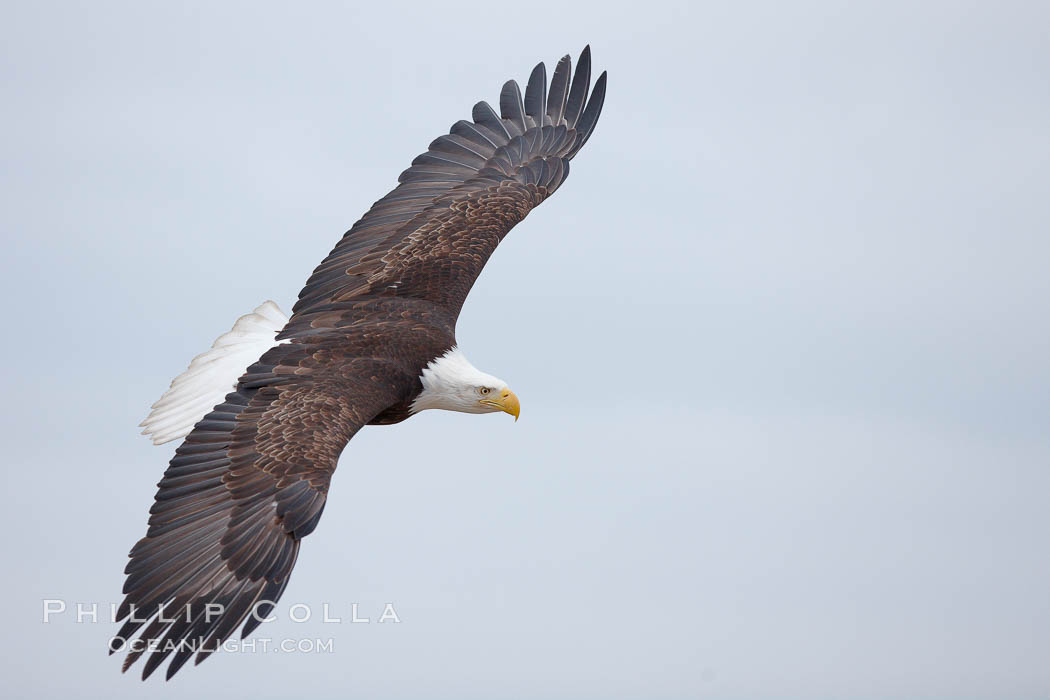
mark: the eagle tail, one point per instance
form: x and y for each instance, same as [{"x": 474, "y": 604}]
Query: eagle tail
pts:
[{"x": 213, "y": 374}]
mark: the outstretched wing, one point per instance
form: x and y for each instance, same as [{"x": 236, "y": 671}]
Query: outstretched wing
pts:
[
  {"x": 430, "y": 237},
  {"x": 247, "y": 484}
]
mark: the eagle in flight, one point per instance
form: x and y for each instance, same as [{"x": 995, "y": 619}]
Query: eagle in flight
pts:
[{"x": 267, "y": 410}]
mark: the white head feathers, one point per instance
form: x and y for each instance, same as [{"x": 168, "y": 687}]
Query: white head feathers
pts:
[{"x": 451, "y": 383}]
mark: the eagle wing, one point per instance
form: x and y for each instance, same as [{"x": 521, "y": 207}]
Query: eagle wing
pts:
[
  {"x": 246, "y": 485},
  {"x": 430, "y": 237}
]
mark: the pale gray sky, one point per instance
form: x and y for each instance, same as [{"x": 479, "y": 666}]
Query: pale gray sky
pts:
[{"x": 781, "y": 343}]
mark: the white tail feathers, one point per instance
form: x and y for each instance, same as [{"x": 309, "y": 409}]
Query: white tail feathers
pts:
[{"x": 213, "y": 374}]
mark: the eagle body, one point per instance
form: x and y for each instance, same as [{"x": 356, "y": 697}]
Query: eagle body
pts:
[{"x": 265, "y": 413}]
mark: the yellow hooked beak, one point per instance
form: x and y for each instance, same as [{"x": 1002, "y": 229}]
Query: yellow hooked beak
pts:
[{"x": 507, "y": 402}]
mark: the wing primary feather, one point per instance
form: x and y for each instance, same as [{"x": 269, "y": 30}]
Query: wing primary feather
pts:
[
  {"x": 590, "y": 115},
  {"x": 536, "y": 94},
  {"x": 267, "y": 600},
  {"x": 559, "y": 90},
  {"x": 511, "y": 107},
  {"x": 581, "y": 82}
]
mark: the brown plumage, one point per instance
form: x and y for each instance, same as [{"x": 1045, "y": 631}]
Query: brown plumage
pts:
[{"x": 250, "y": 481}]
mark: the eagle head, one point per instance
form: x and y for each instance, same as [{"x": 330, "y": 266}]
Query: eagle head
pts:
[{"x": 451, "y": 383}]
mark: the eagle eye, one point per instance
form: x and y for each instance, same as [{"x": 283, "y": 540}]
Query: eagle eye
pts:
[{"x": 485, "y": 390}]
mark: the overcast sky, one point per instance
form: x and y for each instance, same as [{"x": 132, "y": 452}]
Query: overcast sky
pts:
[{"x": 781, "y": 342}]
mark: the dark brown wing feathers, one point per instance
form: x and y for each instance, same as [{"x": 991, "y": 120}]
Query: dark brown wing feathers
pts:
[
  {"x": 523, "y": 153},
  {"x": 251, "y": 479},
  {"x": 244, "y": 488}
]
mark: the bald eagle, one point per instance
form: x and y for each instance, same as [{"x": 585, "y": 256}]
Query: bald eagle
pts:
[{"x": 267, "y": 410}]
